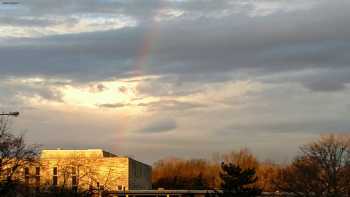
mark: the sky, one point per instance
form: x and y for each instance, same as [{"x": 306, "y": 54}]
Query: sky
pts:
[{"x": 176, "y": 78}]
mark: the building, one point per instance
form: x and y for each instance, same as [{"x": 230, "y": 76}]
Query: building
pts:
[{"x": 88, "y": 169}]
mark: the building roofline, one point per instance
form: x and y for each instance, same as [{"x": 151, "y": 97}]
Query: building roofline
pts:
[
  {"x": 52, "y": 153},
  {"x": 81, "y": 153}
]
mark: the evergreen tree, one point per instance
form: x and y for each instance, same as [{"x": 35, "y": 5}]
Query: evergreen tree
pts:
[{"x": 238, "y": 182}]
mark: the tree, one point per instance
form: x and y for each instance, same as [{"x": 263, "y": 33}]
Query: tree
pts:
[
  {"x": 243, "y": 158},
  {"x": 267, "y": 172},
  {"x": 237, "y": 181},
  {"x": 323, "y": 169},
  {"x": 183, "y": 174},
  {"x": 205, "y": 174},
  {"x": 14, "y": 156}
]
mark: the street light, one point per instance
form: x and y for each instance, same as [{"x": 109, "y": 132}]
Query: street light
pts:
[{"x": 10, "y": 114}]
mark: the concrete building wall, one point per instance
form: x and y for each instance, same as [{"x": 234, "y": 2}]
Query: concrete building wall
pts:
[
  {"x": 140, "y": 175},
  {"x": 84, "y": 169},
  {"x": 108, "y": 173}
]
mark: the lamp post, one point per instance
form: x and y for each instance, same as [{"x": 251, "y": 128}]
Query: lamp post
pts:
[{"x": 10, "y": 114}]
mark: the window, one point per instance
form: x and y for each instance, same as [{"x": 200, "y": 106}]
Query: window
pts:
[
  {"x": 54, "y": 180},
  {"x": 74, "y": 171},
  {"x": 55, "y": 171},
  {"x": 74, "y": 177},
  {"x": 55, "y": 177},
  {"x": 37, "y": 171},
  {"x": 26, "y": 171},
  {"x": 138, "y": 171},
  {"x": 74, "y": 181},
  {"x": 26, "y": 176},
  {"x": 37, "y": 176}
]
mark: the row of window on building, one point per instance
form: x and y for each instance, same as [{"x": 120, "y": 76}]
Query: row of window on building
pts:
[
  {"x": 74, "y": 178},
  {"x": 27, "y": 176}
]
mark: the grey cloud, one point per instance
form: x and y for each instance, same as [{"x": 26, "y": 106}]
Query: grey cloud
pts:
[
  {"x": 26, "y": 22},
  {"x": 159, "y": 126},
  {"x": 79, "y": 57},
  {"x": 171, "y": 105},
  {"x": 49, "y": 94},
  {"x": 111, "y": 105},
  {"x": 8, "y": 97},
  {"x": 122, "y": 89},
  {"x": 100, "y": 87},
  {"x": 280, "y": 42},
  {"x": 135, "y": 8},
  {"x": 97, "y": 88},
  {"x": 319, "y": 80},
  {"x": 292, "y": 126},
  {"x": 46, "y": 90},
  {"x": 325, "y": 85},
  {"x": 169, "y": 85},
  {"x": 329, "y": 80}
]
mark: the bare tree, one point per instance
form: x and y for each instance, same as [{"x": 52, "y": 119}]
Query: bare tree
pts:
[
  {"x": 14, "y": 156},
  {"x": 323, "y": 169}
]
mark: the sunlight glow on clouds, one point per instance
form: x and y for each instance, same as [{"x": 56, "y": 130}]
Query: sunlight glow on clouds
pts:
[
  {"x": 264, "y": 8},
  {"x": 67, "y": 25},
  {"x": 111, "y": 93},
  {"x": 114, "y": 94},
  {"x": 125, "y": 95},
  {"x": 168, "y": 14}
]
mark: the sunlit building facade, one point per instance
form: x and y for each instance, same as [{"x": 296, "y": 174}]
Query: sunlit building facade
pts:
[{"x": 87, "y": 169}]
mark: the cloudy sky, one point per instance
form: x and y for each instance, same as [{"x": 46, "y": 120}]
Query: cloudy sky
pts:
[{"x": 185, "y": 78}]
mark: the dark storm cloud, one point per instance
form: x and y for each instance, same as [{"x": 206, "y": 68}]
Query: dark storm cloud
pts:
[{"x": 197, "y": 43}]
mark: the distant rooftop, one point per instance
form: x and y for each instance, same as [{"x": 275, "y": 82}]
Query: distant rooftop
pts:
[{"x": 60, "y": 153}]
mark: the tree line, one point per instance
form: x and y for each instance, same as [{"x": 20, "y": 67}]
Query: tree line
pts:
[{"x": 322, "y": 168}]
